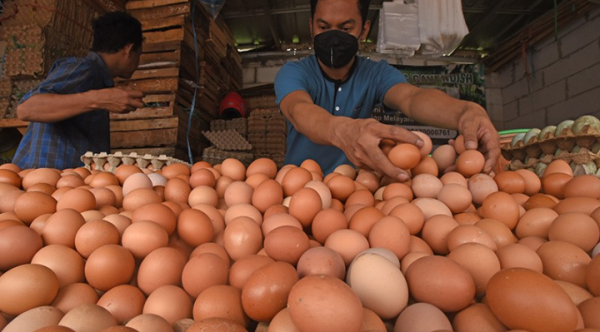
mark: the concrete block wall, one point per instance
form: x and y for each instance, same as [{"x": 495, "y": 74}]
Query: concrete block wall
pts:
[{"x": 559, "y": 80}]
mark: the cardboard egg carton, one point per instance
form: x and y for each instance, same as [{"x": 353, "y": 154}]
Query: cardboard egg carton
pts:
[
  {"x": 240, "y": 125},
  {"x": 110, "y": 162},
  {"x": 216, "y": 156},
  {"x": 576, "y": 144},
  {"x": 228, "y": 140}
]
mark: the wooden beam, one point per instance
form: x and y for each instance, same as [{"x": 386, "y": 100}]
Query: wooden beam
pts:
[
  {"x": 162, "y": 23},
  {"x": 12, "y": 123},
  {"x": 143, "y": 138},
  {"x": 146, "y": 124},
  {"x": 272, "y": 26},
  {"x": 143, "y": 4}
]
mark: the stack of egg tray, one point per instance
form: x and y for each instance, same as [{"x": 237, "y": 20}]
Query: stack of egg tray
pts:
[
  {"x": 5, "y": 93},
  {"x": 110, "y": 162},
  {"x": 575, "y": 141},
  {"x": 226, "y": 144},
  {"x": 267, "y": 134},
  {"x": 240, "y": 125}
]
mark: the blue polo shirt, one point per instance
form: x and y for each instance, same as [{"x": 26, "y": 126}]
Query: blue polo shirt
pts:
[
  {"x": 356, "y": 97},
  {"x": 61, "y": 144}
]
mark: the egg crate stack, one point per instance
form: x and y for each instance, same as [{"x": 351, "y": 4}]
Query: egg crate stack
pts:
[
  {"x": 38, "y": 32},
  {"x": 110, "y": 162},
  {"x": 240, "y": 125},
  {"x": 18, "y": 89},
  {"x": 575, "y": 141},
  {"x": 5, "y": 94},
  {"x": 227, "y": 144},
  {"x": 267, "y": 133}
]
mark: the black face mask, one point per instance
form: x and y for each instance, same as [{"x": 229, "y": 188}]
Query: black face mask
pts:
[{"x": 335, "y": 48}]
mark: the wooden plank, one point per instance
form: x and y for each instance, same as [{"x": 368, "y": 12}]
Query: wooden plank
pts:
[
  {"x": 12, "y": 123},
  {"x": 156, "y": 13},
  {"x": 164, "y": 36},
  {"x": 160, "y": 59},
  {"x": 161, "y": 47},
  {"x": 154, "y": 85},
  {"x": 151, "y": 73},
  {"x": 161, "y": 98},
  {"x": 143, "y": 4},
  {"x": 167, "y": 151},
  {"x": 135, "y": 125},
  {"x": 162, "y": 23},
  {"x": 145, "y": 113},
  {"x": 144, "y": 138}
]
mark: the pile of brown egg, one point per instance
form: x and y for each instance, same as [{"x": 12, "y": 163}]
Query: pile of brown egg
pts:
[{"x": 257, "y": 248}]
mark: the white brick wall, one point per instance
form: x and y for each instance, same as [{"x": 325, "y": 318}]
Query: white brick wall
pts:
[{"x": 564, "y": 82}]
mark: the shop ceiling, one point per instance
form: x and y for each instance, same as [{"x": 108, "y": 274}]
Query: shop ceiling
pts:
[{"x": 271, "y": 26}]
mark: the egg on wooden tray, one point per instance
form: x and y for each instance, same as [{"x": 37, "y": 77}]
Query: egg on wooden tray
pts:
[{"x": 233, "y": 248}]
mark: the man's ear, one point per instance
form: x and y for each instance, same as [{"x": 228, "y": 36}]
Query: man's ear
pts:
[
  {"x": 366, "y": 29},
  {"x": 128, "y": 50}
]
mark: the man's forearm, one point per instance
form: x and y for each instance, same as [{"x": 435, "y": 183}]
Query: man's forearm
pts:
[{"x": 54, "y": 108}]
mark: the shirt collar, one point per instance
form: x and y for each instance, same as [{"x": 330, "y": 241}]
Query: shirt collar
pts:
[
  {"x": 334, "y": 80},
  {"x": 97, "y": 59}
]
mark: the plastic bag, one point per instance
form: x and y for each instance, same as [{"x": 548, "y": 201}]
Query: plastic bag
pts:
[
  {"x": 442, "y": 26},
  {"x": 398, "y": 29}
]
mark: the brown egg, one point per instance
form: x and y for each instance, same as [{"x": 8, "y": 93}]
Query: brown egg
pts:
[
  {"x": 589, "y": 311},
  {"x": 31, "y": 205},
  {"x": 469, "y": 234},
  {"x": 143, "y": 237},
  {"x": 95, "y": 234},
  {"x": 234, "y": 169},
  {"x": 118, "y": 220},
  {"x": 304, "y": 205},
  {"x": 74, "y": 295},
  {"x": 390, "y": 233},
  {"x": 18, "y": 245},
  {"x": 341, "y": 187},
  {"x": 40, "y": 175},
  {"x": 554, "y": 183},
  {"x": 140, "y": 197},
  {"x": 321, "y": 260},
  {"x": 217, "y": 325},
  {"x": 10, "y": 177},
  {"x": 109, "y": 266},
  {"x": 286, "y": 244},
  {"x": 263, "y": 166},
  {"x": 455, "y": 196},
  {"x": 163, "y": 266},
  {"x": 431, "y": 207},
  {"x": 435, "y": 232},
  {"x": 65, "y": 262},
  {"x": 204, "y": 195},
  {"x": 411, "y": 215},
  {"x": 592, "y": 276},
  {"x": 103, "y": 197},
  {"x": 510, "y": 182},
  {"x": 576, "y": 293},
  {"x": 585, "y": 205},
  {"x": 427, "y": 165},
  {"x": 266, "y": 291},
  {"x": 577, "y": 228},
  {"x": 512, "y": 293},
  {"x": 243, "y": 210},
  {"x": 242, "y": 237},
  {"x": 177, "y": 190},
  {"x": 451, "y": 293},
  {"x": 501, "y": 206},
  {"x": 378, "y": 283},
  {"x": 479, "y": 260},
  {"x": 470, "y": 162},
  {"x": 564, "y": 261},
  {"x": 533, "y": 184},
  {"x": 175, "y": 169},
  {"x": 348, "y": 243},
  {"x": 499, "y": 232},
  {"x": 324, "y": 303},
  {"x": 118, "y": 191},
  {"x": 364, "y": 218},
  {"x": 360, "y": 196},
  {"x": 539, "y": 201},
  {"x": 42, "y": 187},
  {"x": 278, "y": 220},
  {"x": 82, "y": 317},
  {"x": 123, "y": 302},
  {"x": 35, "y": 319},
  {"x": 326, "y": 222},
  {"x": 9, "y": 195},
  {"x": 244, "y": 267},
  {"x": 423, "y": 316},
  {"x": 25, "y": 287},
  {"x": 389, "y": 205},
  {"x": 158, "y": 213},
  {"x": 203, "y": 271},
  {"x": 533, "y": 242},
  {"x": 477, "y": 317},
  {"x": 202, "y": 177},
  {"x": 444, "y": 156},
  {"x": 481, "y": 186},
  {"x": 282, "y": 322},
  {"x": 558, "y": 166},
  {"x": 238, "y": 192},
  {"x": 405, "y": 156},
  {"x": 397, "y": 189},
  {"x": 410, "y": 258},
  {"x": 62, "y": 227},
  {"x": 169, "y": 302}
]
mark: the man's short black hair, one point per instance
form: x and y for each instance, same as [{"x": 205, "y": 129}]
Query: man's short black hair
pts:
[
  {"x": 363, "y": 8},
  {"x": 115, "y": 30}
]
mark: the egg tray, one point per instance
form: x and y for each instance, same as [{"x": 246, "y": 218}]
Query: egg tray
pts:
[
  {"x": 240, "y": 125},
  {"x": 110, "y": 162},
  {"x": 565, "y": 138},
  {"x": 216, "y": 156},
  {"x": 229, "y": 140}
]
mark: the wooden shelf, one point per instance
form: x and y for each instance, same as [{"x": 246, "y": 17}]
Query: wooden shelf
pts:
[{"x": 14, "y": 123}]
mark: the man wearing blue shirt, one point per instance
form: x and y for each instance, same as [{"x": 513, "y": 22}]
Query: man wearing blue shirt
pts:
[
  {"x": 328, "y": 99},
  {"x": 68, "y": 111}
]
